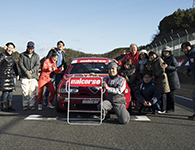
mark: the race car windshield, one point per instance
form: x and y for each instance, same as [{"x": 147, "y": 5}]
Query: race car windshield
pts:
[{"x": 80, "y": 68}]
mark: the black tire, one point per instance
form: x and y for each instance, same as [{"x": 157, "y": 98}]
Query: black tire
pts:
[{"x": 57, "y": 107}]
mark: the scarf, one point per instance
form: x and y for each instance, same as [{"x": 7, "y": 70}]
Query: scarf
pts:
[{"x": 142, "y": 63}]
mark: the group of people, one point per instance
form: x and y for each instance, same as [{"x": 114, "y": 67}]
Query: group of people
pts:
[
  {"x": 29, "y": 64},
  {"x": 151, "y": 78}
]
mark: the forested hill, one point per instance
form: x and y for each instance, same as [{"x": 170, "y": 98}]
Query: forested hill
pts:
[
  {"x": 70, "y": 54},
  {"x": 177, "y": 22}
]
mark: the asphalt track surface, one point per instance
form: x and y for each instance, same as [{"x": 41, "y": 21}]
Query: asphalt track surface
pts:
[{"x": 52, "y": 132}]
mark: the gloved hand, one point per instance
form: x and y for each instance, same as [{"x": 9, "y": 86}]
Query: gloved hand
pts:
[{"x": 29, "y": 74}]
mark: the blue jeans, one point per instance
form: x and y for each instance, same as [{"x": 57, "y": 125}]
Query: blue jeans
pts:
[
  {"x": 58, "y": 78},
  {"x": 6, "y": 95}
]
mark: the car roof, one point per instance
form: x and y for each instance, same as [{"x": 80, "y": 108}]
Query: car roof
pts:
[{"x": 91, "y": 59}]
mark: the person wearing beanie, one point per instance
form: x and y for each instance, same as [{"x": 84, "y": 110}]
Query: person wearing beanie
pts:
[
  {"x": 61, "y": 62},
  {"x": 8, "y": 69},
  {"x": 170, "y": 66},
  {"x": 114, "y": 86},
  {"x": 142, "y": 64},
  {"x": 48, "y": 66},
  {"x": 29, "y": 64},
  {"x": 189, "y": 51}
]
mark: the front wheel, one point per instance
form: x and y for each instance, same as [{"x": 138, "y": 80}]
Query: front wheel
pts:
[{"x": 58, "y": 109}]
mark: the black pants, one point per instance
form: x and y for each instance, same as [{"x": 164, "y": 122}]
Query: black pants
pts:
[
  {"x": 171, "y": 101},
  {"x": 163, "y": 101}
]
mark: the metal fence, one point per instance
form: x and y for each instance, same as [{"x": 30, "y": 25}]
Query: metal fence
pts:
[{"x": 175, "y": 44}]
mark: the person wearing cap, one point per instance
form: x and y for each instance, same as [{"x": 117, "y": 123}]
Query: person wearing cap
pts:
[
  {"x": 47, "y": 67},
  {"x": 29, "y": 64},
  {"x": 61, "y": 62},
  {"x": 189, "y": 51},
  {"x": 133, "y": 55},
  {"x": 114, "y": 86},
  {"x": 142, "y": 64},
  {"x": 170, "y": 66},
  {"x": 8, "y": 68}
]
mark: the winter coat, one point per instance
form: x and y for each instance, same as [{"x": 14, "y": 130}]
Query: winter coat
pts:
[
  {"x": 46, "y": 71},
  {"x": 171, "y": 72},
  {"x": 134, "y": 58},
  {"x": 191, "y": 59},
  {"x": 130, "y": 76},
  {"x": 147, "y": 92},
  {"x": 27, "y": 63},
  {"x": 54, "y": 50},
  {"x": 140, "y": 75},
  {"x": 161, "y": 78},
  {"x": 7, "y": 69}
]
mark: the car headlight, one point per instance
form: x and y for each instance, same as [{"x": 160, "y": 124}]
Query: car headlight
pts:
[{"x": 63, "y": 90}]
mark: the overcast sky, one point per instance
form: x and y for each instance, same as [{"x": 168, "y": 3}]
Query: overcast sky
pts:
[{"x": 90, "y": 26}]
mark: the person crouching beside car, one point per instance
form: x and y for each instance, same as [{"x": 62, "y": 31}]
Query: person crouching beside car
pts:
[
  {"x": 114, "y": 86},
  {"x": 147, "y": 94},
  {"x": 47, "y": 67}
]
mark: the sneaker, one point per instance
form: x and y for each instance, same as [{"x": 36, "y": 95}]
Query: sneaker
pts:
[
  {"x": 39, "y": 106},
  {"x": 161, "y": 112},
  {"x": 25, "y": 108},
  {"x": 192, "y": 117},
  {"x": 32, "y": 107},
  {"x": 50, "y": 106}
]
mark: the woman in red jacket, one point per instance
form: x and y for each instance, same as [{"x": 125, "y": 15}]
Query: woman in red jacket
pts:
[{"x": 48, "y": 66}]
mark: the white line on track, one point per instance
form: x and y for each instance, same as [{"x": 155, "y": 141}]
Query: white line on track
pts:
[
  {"x": 38, "y": 117},
  {"x": 141, "y": 118}
]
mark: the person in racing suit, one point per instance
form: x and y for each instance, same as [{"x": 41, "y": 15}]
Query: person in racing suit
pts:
[
  {"x": 114, "y": 99},
  {"x": 47, "y": 67}
]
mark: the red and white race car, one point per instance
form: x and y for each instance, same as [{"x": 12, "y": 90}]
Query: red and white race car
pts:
[{"x": 84, "y": 97}]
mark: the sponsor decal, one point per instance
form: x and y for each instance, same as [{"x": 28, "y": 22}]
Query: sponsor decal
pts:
[
  {"x": 92, "y": 60},
  {"x": 85, "y": 81},
  {"x": 90, "y": 101}
]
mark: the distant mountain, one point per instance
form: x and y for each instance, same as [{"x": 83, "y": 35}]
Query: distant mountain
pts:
[{"x": 70, "y": 54}]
